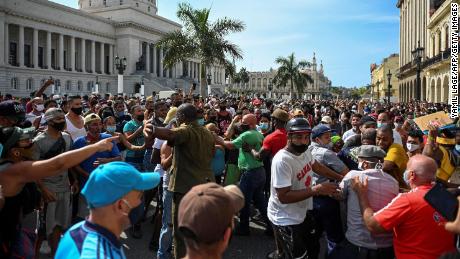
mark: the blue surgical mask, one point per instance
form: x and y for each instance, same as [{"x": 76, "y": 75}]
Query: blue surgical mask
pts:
[
  {"x": 381, "y": 124},
  {"x": 201, "y": 122},
  {"x": 121, "y": 113},
  {"x": 111, "y": 129},
  {"x": 263, "y": 126}
]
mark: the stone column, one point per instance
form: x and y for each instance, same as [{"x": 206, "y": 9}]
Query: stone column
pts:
[
  {"x": 61, "y": 51},
  {"x": 110, "y": 59},
  {"x": 72, "y": 53},
  {"x": 102, "y": 61},
  {"x": 21, "y": 46},
  {"x": 7, "y": 44},
  {"x": 35, "y": 48},
  {"x": 154, "y": 66},
  {"x": 48, "y": 49},
  {"x": 161, "y": 62},
  {"x": 83, "y": 55},
  {"x": 93, "y": 56},
  {"x": 147, "y": 58}
]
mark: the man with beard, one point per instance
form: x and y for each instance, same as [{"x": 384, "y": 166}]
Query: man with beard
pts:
[
  {"x": 355, "y": 130},
  {"x": 93, "y": 125},
  {"x": 290, "y": 205},
  {"x": 99, "y": 235},
  {"x": 74, "y": 121},
  {"x": 56, "y": 189}
]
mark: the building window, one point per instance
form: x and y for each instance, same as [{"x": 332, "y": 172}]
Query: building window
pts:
[
  {"x": 14, "y": 83},
  {"x": 137, "y": 4},
  {"x": 105, "y": 2},
  {"x": 13, "y": 54},
  {"x": 121, "y": 2},
  {"x": 68, "y": 85},
  {"x": 89, "y": 2},
  {"x": 89, "y": 86},
  {"x": 29, "y": 84},
  {"x": 27, "y": 54},
  {"x": 148, "y": 9},
  {"x": 107, "y": 87},
  {"x": 40, "y": 57},
  {"x": 57, "y": 85},
  {"x": 80, "y": 86}
]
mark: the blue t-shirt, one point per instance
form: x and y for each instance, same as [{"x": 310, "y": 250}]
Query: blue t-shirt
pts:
[
  {"x": 132, "y": 126},
  {"x": 88, "y": 240},
  {"x": 87, "y": 164}
]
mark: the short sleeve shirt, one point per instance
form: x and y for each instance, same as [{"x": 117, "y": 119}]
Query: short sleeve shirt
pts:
[
  {"x": 246, "y": 161},
  {"x": 416, "y": 226},
  {"x": 328, "y": 158},
  {"x": 294, "y": 171},
  {"x": 275, "y": 141},
  {"x": 398, "y": 156},
  {"x": 132, "y": 126}
]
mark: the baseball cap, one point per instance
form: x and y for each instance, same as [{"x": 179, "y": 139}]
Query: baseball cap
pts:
[
  {"x": 110, "y": 182},
  {"x": 371, "y": 151},
  {"x": 91, "y": 117},
  {"x": 10, "y": 136},
  {"x": 319, "y": 130},
  {"x": 207, "y": 210},
  {"x": 326, "y": 119},
  {"x": 53, "y": 113},
  {"x": 280, "y": 114},
  {"x": 11, "y": 108}
]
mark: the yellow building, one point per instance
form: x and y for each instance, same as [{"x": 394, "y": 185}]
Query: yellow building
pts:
[{"x": 379, "y": 79}]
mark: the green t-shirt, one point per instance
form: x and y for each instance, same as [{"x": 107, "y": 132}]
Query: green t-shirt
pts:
[{"x": 245, "y": 160}]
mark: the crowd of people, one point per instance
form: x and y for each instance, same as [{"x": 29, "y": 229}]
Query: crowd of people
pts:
[{"x": 77, "y": 171}]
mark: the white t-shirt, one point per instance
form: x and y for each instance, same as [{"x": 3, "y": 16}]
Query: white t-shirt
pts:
[
  {"x": 397, "y": 138},
  {"x": 295, "y": 171}
]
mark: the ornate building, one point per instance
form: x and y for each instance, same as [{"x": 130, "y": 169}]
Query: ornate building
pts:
[
  {"x": 379, "y": 79},
  {"x": 427, "y": 22},
  {"x": 77, "y": 47},
  {"x": 261, "y": 82}
]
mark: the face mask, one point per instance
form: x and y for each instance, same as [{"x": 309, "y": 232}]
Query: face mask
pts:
[
  {"x": 58, "y": 126},
  {"x": 412, "y": 147},
  {"x": 111, "y": 129},
  {"x": 360, "y": 166},
  {"x": 201, "y": 122},
  {"x": 140, "y": 117},
  {"x": 77, "y": 111},
  {"x": 299, "y": 148},
  {"x": 457, "y": 147},
  {"x": 263, "y": 126},
  {"x": 381, "y": 124},
  {"x": 120, "y": 114},
  {"x": 40, "y": 107},
  {"x": 133, "y": 217}
]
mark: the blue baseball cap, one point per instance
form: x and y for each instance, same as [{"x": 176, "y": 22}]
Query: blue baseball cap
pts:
[
  {"x": 110, "y": 182},
  {"x": 319, "y": 130}
]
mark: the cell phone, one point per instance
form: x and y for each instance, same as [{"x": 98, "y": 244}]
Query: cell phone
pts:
[{"x": 442, "y": 201}]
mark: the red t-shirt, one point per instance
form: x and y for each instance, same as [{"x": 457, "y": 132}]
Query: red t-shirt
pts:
[
  {"x": 417, "y": 229},
  {"x": 276, "y": 141}
]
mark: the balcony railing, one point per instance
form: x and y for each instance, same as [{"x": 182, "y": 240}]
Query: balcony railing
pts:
[{"x": 438, "y": 58}]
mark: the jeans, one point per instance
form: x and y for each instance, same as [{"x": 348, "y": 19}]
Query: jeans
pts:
[
  {"x": 252, "y": 186},
  {"x": 148, "y": 166},
  {"x": 165, "y": 241},
  {"x": 327, "y": 216},
  {"x": 348, "y": 250}
]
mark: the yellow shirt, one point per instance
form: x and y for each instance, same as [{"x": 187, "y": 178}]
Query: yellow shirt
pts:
[
  {"x": 398, "y": 156},
  {"x": 446, "y": 169}
]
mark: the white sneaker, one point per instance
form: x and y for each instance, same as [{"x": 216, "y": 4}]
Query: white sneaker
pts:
[{"x": 45, "y": 248}]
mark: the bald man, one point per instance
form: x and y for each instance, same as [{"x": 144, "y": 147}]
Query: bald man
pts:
[
  {"x": 252, "y": 172},
  {"x": 417, "y": 227}
]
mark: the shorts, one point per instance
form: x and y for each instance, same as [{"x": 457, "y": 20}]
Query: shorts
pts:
[{"x": 58, "y": 213}]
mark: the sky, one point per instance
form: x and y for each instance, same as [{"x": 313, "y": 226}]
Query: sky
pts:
[{"x": 347, "y": 35}]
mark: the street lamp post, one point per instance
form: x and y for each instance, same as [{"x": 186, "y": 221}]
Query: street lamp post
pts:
[
  {"x": 209, "y": 78},
  {"x": 270, "y": 88},
  {"x": 96, "y": 86},
  {"x": 417, "y": 55},
  {"x": 389, "y": 86},
  {"x": 120, "y": 65}
]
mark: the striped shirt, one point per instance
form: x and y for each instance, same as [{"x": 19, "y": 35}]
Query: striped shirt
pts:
[{"x": 88, "y": 240}]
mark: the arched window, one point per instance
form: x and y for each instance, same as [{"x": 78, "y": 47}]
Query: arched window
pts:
[
  {"x": 14, "y": 83},
  {"x": 29, "y": 84},
  {"x": 80, "y": 86},
  {"x": 107, "y": 87},
  {"x": 68, "y": 86}
]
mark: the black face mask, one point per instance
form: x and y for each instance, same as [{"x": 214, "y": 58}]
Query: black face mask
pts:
[
  {"x": 140, "y": 117},
  {"x": 77, "y": 111},
  {"x": 299, "y": 148},
  {"x": 59, "y": 126}
]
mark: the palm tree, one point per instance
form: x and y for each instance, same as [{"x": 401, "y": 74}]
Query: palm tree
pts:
[
  {"x": 201, "y": 39},
  {"x": 289, "y": 72}
]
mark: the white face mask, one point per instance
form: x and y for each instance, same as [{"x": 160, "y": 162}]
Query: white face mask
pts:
[
  {"x": 39, "y": 107},
  {"x": 412, "y": 147},
  {"x": 360, "y": 166}
]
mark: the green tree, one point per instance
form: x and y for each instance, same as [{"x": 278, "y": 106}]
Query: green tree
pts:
[
  {"x": 289, "y": 72},
  {"x": 202, "y": 39}
]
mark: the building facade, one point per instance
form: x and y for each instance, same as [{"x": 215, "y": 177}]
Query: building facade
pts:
[
  {"x": 379, "y": 79},
  {"x": 261, "y": 82},
  {"x": 424, "y": 24},
  {"x": 77, "y": 47}
]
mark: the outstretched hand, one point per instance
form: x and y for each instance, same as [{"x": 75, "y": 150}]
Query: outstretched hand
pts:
[{"x": 105, "y": 144}]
